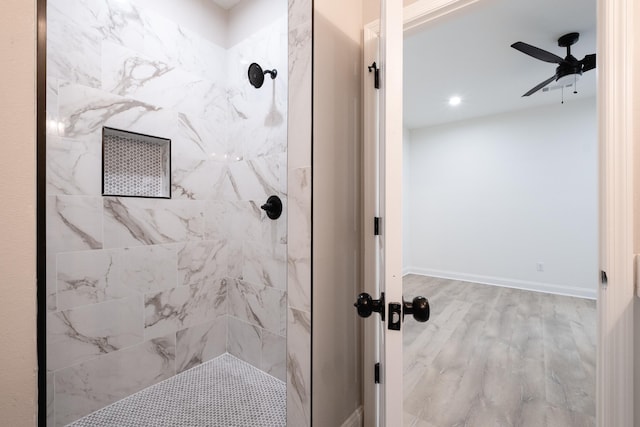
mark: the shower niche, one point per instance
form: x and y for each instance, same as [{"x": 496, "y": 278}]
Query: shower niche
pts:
[{"x": 135, "y": 165}]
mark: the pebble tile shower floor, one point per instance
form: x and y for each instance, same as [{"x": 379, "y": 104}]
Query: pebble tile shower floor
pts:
[{"x": 222, "y": 392}]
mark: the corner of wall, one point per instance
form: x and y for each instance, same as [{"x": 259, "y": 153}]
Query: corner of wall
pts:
[
  {"x": 636, "y": 208},
  {"x": 337, "y": 222},
  {"x": 635, "y": 20}
]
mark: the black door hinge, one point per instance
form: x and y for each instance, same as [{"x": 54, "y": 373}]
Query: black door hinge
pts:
[
  {"x": 376, "y": 373},
  {"x": 376, "y": 75},
  {"x": 603, "y": 278},
  {"x": 376, "y": 226}
]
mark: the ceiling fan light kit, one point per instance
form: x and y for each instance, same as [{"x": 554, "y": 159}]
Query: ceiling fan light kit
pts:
[{"x": 568, "y": 70}]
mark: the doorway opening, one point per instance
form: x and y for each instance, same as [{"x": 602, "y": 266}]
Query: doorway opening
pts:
[
  {"x": 500, "y": 216},
  {"x": 162, "y": 283}
]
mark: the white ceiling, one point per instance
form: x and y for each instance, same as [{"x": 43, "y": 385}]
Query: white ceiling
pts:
[
  {"x": 226, "y": 4},
  {"x": 469, "y": 55}
]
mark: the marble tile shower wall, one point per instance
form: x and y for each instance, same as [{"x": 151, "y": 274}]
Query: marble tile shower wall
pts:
[
  {"x": 299, "y": 229},
  {"x": 142, "y": 289}
]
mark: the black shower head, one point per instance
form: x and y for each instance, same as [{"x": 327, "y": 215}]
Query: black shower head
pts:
[{"x": 256, "y": 75}]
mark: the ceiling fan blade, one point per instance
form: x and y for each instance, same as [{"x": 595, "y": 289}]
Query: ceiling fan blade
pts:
[
  {"x": 589, "y": 62},
  {"x": 540, "y": 86},
  {"x": 537, "y": 53}
]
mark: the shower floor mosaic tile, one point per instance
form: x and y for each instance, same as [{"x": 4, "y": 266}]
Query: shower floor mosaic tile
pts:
[{"x": 223, "y": 392}]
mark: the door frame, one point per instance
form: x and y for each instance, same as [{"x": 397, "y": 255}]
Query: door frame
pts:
[
  {"x": 383, "y": 273},
  {"x": 615, "y": 364},
  {"x": 370, "y": 210}
]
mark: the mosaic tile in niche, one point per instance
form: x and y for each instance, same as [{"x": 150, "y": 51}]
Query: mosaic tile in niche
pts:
[{"x": 135, "y": 165}]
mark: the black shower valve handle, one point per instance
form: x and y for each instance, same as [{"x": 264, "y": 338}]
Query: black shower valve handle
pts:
[
  {"x": 273, "y": 207},
  {"x": 267, "y": 207}
]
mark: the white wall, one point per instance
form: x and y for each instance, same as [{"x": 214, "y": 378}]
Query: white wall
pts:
[
  {"x": 492, "y": 197},
  {"x": 18, "y": 225}
]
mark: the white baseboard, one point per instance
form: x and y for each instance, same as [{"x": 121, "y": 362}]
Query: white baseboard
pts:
[
  {"x": 507, "y": 283},
  {"x": 355, "y": 420}
]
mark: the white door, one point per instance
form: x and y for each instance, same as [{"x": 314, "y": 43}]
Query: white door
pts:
[{"x": 382, "y": 302}]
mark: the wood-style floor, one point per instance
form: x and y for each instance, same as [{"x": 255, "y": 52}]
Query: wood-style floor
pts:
[{"x": 493, "y": 356}]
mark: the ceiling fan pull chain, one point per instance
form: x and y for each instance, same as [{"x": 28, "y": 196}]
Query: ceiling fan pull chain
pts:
[
  {"x": 575, "y": 83},
  {"x": 562, "y": 90}
]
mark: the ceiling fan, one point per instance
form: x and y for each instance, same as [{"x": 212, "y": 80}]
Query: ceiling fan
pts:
[{"x": 569, "y": 68}]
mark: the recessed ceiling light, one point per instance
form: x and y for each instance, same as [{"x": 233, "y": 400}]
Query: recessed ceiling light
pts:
[{"x": 454, "y": 100}]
